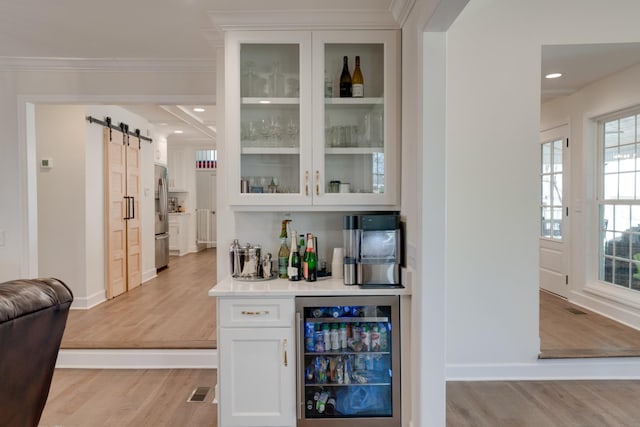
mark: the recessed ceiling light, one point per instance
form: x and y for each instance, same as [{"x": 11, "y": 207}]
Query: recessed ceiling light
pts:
[
  {"x": 553, "y": 75},
  {"x": 177, "y": 131},
  {"x": 199, "y": 110}
]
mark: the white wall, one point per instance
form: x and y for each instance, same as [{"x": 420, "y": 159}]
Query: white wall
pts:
[
  {"x": 493, "y": 122},
  {"x": 60, "y": 136},
  {"x": 611, "y": 94},
  {"x": 13, "y": 208}
]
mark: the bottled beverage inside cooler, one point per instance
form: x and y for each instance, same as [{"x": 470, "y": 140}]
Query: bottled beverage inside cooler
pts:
[{"x": 349, "y": 361}]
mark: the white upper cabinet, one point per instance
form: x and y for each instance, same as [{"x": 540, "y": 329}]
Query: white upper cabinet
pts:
[{"x": 292, "y": 140}]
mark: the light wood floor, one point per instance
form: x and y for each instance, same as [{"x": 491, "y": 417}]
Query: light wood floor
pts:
[
  {"x": 136, "y": 398},
  {"x": 141, "y": 398},
  {"x": 570, "y": 331},
  {"x": 543, "y": 403},
  {"x": 170, "y": 311}
]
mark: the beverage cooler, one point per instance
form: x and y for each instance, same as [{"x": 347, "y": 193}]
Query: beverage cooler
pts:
[{"x": 348, "y": 361}]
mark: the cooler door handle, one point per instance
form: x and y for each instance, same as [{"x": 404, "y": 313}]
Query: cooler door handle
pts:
[{"x": 299, "y": 402}]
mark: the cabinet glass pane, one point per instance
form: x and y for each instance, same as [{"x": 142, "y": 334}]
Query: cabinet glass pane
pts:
[
  {"x": 270, "y": 118},
  {"x": 348, "y": 362},
  {"x": 354, "y": 136}
]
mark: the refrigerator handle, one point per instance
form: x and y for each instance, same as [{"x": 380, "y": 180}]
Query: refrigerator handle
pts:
[
  {"x": 299, "y": 376},
  {"x": 164, "y": 197}
]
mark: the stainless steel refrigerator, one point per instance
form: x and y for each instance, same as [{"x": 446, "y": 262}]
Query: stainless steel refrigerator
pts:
[{"x": 161, "y": 217}]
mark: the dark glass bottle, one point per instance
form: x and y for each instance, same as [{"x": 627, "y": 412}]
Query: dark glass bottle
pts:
[
  {"x": 311, "y": 268},
  {"x": 345, "y": 80},
  {"x": 303, "y": 258}
]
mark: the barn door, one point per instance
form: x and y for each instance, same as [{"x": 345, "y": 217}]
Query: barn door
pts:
[{"x": 122, "y": 166}]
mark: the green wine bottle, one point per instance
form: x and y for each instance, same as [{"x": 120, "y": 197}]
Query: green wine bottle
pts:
[{"x": 311, "y": 260}]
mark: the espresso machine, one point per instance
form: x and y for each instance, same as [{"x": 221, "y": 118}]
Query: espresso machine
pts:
[{"x": 372, "y": 245}]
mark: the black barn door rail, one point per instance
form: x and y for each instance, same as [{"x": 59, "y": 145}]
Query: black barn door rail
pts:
[{"x": 122, "y": 127}]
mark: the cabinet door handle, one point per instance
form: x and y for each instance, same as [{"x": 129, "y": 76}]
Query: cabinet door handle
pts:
[
  {"x": 284, "y": 347},
  {"x": 317, "y": 183},
  {"x": 255, "y": 313},
  {"x": 306, "y": 183}
]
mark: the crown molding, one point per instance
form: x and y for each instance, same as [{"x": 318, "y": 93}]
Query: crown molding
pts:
[
  {"x": 342, "y": 19},
  {"x": 400, "y": 9},
  {"x": 107, "y": 64}
]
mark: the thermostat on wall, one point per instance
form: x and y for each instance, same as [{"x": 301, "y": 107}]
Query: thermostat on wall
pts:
[{"x": 46, "y": 163}]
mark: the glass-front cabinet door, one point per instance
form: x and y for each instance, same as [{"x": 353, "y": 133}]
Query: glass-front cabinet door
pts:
[
  {"x": 356, "y": 137},
  {"x": 292, "y": 139},
  {"x": 268, "y": 96}
]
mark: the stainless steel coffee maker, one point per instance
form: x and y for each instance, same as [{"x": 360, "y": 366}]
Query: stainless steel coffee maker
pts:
[{"x": 372, "y": 245}]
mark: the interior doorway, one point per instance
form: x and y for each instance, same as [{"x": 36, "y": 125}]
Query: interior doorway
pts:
[
  {"x": 90, "y": 190},
  {"x": 554, "y": 212}
]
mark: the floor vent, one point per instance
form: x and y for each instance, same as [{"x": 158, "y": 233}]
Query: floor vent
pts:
[
  {"x": 199, "y": 394},
  {"x": 575, "y": 311}
]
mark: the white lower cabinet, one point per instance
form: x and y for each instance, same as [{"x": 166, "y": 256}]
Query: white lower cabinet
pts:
[
  {"x": 178, "y": 233},
  {"x": 256, "y": 374}
]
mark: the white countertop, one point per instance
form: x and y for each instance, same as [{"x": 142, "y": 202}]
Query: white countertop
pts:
[{"x": 230, "y": 287}]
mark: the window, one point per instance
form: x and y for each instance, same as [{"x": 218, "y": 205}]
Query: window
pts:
[
  {"x": 551, "y": 189},
  {"x": 619, "y": 201},
  {"x": 206, "y": 159}
]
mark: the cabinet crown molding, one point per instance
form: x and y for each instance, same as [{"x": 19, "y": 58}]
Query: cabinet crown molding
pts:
[
  {"x": 338, "y": 19},
  {"x": 107, "y": 64}
]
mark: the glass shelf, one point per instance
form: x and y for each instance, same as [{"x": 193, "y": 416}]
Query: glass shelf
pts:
[
  {"x": 354, "y": 101},
  {"x": 270, "y": 101}
]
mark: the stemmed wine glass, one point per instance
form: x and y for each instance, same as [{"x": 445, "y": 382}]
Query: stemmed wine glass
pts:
[{"x": 292, "y": 132}]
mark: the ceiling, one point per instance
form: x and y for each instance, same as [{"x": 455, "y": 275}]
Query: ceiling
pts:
[{"x": 583, "y": 64}]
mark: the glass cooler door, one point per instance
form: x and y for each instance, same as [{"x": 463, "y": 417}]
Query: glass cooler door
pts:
[{"x": 348, "y": 361}]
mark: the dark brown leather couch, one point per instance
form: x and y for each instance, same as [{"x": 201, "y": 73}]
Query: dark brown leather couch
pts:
[{"x": 33, "y": 314}]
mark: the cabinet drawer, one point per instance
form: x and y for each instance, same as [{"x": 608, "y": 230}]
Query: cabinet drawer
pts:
[{"x": 255, "y": 312}]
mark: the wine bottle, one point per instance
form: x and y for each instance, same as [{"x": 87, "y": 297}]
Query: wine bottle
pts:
[
  {"x": 293, "y": 270},
  {"x": 303, "y": 258},
  {"x": 283, "y": 253},
  {"x": 345, "y": 80},
  {"x": 312, "y": 261},
  {"x": 357, "y": 81}
]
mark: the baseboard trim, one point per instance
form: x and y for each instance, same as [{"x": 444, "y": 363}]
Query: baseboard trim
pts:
[
  {"x": 549, "y": 369},
  {"x": 89, "y": 302},
  {"x": 148, "y": 275},
  {"x": 138, "y": 359}
]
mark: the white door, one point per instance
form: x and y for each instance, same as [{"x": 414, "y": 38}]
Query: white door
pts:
[
  {"x": 206, "y": 207},
  {"x": 554, "y": 211}
]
